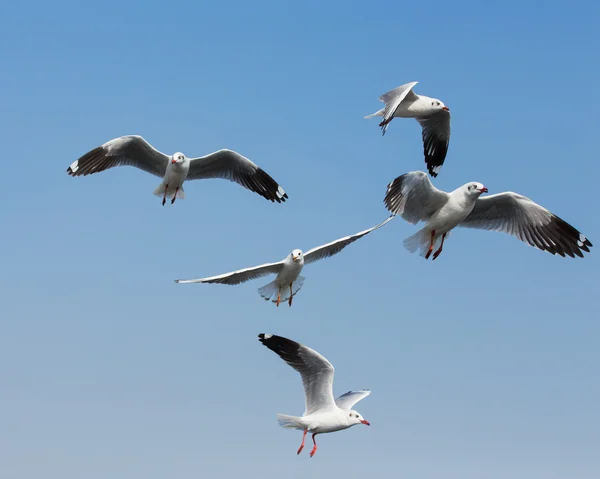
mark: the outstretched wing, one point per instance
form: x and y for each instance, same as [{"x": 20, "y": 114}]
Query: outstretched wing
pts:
[
  {"x": 436, "y": 137},
  {"x": 315, "y": 370},
  {"x": 232, "y": 166},
  {"x": 518, "y": 216},
  {"x": 413, "y": 197},
  {"x": 348, "y": 400},
  {"x": 239, "y": 276},
  {"x": 392, "y": 100},
  {"x": 329, "y": 249},
  {"x": 129, "y": 150}
]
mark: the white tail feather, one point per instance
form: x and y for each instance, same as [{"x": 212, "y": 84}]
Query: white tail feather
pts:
[
  {"x": 420, "y": 241},
  {"x": 160, "y": 191},
  {"x": 289, "y": 422},
  {"x": 377, "y": 113},
  {"x": 269, "y": 291}
]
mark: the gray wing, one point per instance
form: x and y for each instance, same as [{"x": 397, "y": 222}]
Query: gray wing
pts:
[
  {"x": 348, "y": 400},
  {"x": 129, "y": 150},
  {"x": 436, "y": 137},
  {"x": 329, "y": 249},
  {"x": 315, "y": 370},
  {"x": 518, "y": 216},
  {"x": 413, "y": 197},
  {"x": 392, "y": 100},
  {"x": 239, "y": 276},
  {"x": 232, "y": 166}
]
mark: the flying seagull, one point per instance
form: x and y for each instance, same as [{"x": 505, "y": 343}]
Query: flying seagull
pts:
[
  {"x": 414, "y": 198},
  {"x": 288, "y": 280},
  {"x": 174, "y": 170},
  {"x": 322, "y": 413},
  {"x": 431, "y": 113}
]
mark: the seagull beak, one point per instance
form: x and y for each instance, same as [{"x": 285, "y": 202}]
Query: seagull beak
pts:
[
  {"x": 295, "y": 258},
  {"x": 173, "y": 161},
  {"x": 484, "y": 190},
  {"x": 445, "y": 108},
  {"x": 366, "y": 422}
]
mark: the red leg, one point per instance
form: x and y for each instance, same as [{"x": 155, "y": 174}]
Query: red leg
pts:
[
  {"x": 278, "y": 297},
  {"x": 314, "y": 449},
  {"x": 303, "y": 438},
  {"x": 165, "y": 195},
  {"x": 290, "y": 302},
  {"x": 437, "y": 253},
  {"x": 430, "y": 245},
  {"x": 176, "y": 190}
]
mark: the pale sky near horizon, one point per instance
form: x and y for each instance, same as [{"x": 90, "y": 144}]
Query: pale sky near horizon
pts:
[{"x": 482, "y": 364}]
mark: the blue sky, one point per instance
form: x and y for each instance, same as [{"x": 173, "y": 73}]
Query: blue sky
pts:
[{"x": 483, "y": 363}]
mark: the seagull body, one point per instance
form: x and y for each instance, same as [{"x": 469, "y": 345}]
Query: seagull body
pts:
[
  {"x": 288, "y": 280},
  {"x": 432, "y": 115},
  {"x": 174, "y": 170},
  {"x": 323, "y": 413},
  {"x": 414, "y": 198}
]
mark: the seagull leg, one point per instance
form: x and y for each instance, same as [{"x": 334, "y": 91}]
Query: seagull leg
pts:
[
  {"x": 278, "y": 297},
  {"x": 314, "y": 449},
  {"x": 437, "y": 253},
  {"x": 176, "y": 190},
  {"x": 291, "y": 295},
  {"x": 165, "y": 195},
  {"x": 430, "y": 245},
  {"x": 303, "y": 438}
]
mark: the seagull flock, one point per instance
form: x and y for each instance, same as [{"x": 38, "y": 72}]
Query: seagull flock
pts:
[{"x": 411, "y": 196}]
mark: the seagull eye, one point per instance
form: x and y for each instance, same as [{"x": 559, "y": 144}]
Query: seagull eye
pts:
[{"x": 438, "y": 103}]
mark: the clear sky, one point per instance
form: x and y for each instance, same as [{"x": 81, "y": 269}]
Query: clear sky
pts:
[{"x": 482, "y": 364}]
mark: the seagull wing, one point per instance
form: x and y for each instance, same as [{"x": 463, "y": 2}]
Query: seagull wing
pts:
[
  {"x": 315, "y": 370},
  {"x": 392, "y": 100},
  {"x": 129, "y": 150},
  {"x": 239, "y": 276},
  {"x": 414, "y": 197},
  {"x": 436, "y": 137},
  {"x": 518, "y": 216},
  {"x": 348, "y": 400},
  {"x": 329, "y": 249},
  {"x": 232, "y": 166}
]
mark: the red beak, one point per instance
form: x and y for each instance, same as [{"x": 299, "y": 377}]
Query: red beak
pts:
[
  {"x": 445, "y": 108},
  {"x": 366, "y": 422},
  {"x": 173, "y": 162},
  {"x": 484, "y": 190}
]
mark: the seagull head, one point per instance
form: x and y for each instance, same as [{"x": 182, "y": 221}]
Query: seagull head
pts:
[
  {"x": 297, "y": 255},
  {"x": 177, "y": 159},
  {"x": 356, "y": 418},
  {"x": 475, "y": 189},
  {"x": 438, "y": 105}
]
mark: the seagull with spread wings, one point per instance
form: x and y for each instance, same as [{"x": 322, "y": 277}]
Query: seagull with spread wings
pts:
[
  {"x": 322, "y": 412},
  {"x": 288, "y": 280},
  {"x": 414, "y": 198},
  {"x": 432, "y": 115},
  {"x": 174, "y": 170}
]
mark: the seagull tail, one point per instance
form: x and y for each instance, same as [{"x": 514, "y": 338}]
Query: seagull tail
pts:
[
  {"x": 269, "y": 291},
  {"x": 420, "y": 241},
  {"x": 160, "y": 191},
  {"x": 290, "y": 422},
  {"x": 377, "y": 113}
]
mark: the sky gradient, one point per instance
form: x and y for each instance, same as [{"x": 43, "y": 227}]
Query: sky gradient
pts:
[{"x": 482, "y": 364}]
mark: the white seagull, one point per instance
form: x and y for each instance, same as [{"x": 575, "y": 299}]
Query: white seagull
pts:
[
  {"x": 322, "y": 413},
  {"x": 414, "y": 198},
  {"x": 174, "y": 170},
  {"x": 288, "y": 281},
  {"x": 431, "y": 113}
]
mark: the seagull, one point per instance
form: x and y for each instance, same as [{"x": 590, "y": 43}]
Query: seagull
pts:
[
  {"x": 322, "y": 413},
  {"x": 288, "y": 280},
  {"x": 431, "y": 113},
  {"x": 174, "y": 170},
  {"x": 414, "y": 198}
]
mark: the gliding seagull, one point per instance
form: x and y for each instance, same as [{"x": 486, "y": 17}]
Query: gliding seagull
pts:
[
  {"x": 176, "y": 169},
  {"x": 322, "y": 413}
]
